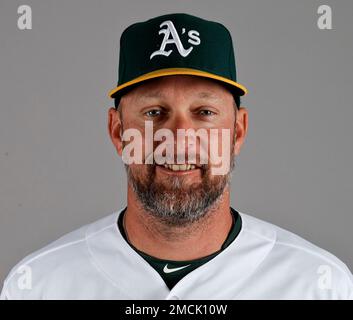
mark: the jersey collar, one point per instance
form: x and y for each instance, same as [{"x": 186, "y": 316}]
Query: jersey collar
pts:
[{"x": 136, "y": 279}]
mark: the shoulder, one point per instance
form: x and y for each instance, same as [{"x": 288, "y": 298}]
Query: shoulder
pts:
[
  {"x": 294, "y": 257},
  {"x": 61, "y": 258}
]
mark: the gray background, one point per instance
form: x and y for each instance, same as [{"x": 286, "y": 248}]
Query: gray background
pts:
[{"x": 59, "y": 170}]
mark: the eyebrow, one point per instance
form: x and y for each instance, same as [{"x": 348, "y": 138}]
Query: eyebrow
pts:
[
  {"x": 208, "y": 95},
  {"x": 152, "y": 94}
]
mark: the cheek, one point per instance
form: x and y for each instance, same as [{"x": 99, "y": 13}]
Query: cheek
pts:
[
  {"x": 142, "y": 173},
  {"x": 138, "y": 169},
  {"x": 223, "y": 136},
  {"x": 220, "y": 144},
  {"x": 133, "y": 143}
]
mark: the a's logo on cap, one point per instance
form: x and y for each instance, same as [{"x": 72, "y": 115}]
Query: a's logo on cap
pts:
[{"x": 170, "y": 30}]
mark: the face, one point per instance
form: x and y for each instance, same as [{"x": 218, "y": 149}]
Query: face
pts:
[{"x": 179, "y": 195}]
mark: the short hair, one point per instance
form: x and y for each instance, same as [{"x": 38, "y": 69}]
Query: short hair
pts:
[{"x": 237, "y": 101}]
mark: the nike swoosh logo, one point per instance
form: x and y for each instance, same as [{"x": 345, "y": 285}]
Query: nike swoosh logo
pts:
[{"x": 170, "y": 270}]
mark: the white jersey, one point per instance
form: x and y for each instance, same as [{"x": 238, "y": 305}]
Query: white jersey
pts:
[{"x": 263, "y": 262}]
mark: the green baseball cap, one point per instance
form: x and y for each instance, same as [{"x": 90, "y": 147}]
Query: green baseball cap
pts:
[{"x": 176, "y": 44}]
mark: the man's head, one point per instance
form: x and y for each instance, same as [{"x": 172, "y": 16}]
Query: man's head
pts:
[
  {"x": 177, "y": 71},
  {"x": 178, "y": 102}
]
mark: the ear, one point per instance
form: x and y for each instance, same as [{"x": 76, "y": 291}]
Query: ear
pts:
[
  {"x": 241, "y": 129},
  {"x": 115, "y": 129}
]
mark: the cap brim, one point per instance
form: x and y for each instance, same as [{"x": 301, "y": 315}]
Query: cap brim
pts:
[{"x": 239, "y": 88}]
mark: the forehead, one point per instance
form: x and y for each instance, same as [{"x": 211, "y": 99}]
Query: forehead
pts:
[{"x": 180, "y": 85}]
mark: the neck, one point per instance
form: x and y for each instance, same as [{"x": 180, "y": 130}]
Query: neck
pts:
[{"x": 199, "y": 239}]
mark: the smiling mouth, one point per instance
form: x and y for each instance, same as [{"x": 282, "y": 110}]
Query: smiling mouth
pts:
[{"x": 179, "y": 167}]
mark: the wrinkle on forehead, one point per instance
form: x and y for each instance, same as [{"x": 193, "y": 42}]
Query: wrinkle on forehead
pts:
[
  {"x": 158, "y": 94},
  {"x": 181, "y": 86},
  {"x": 210, "y": 90}
]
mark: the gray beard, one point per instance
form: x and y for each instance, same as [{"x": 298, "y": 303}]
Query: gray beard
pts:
[{"x": 173, "y": 202}]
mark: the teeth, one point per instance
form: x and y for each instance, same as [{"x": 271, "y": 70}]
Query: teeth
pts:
[{"x": 179, "y": 167}]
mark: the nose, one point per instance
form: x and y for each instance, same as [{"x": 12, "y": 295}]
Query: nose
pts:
[{"x": 181, "y": 121}]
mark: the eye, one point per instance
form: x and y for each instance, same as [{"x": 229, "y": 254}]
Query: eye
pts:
[
  {"x": 153, "y": 113},
  {"x": 206, "y": 112}
]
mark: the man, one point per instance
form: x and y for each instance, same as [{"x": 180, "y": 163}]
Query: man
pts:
[{"x": 178, "y": 237}]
